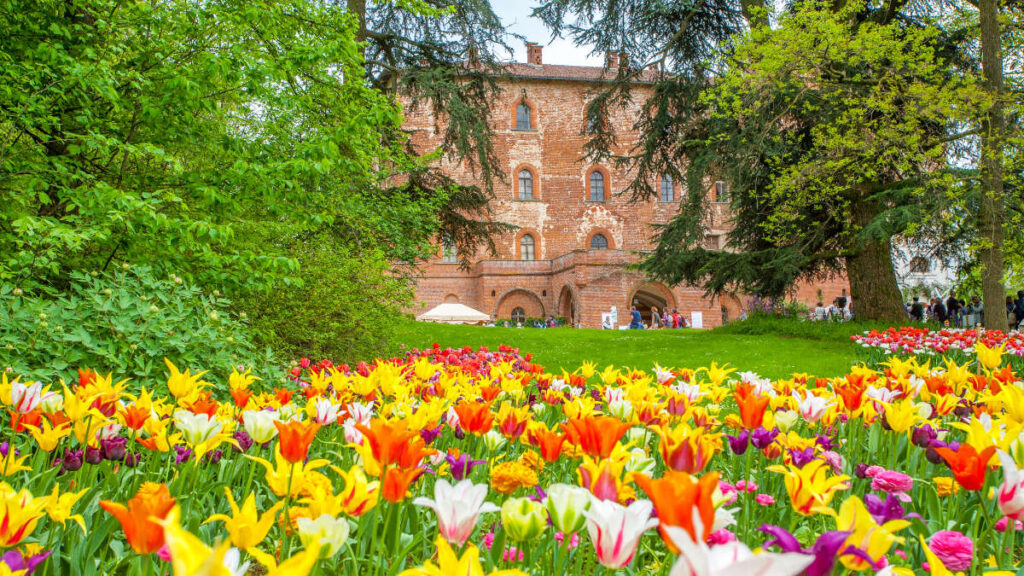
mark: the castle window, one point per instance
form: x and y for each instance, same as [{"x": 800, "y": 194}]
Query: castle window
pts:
[
  {"x": 525, "y": 185},
  {"x": 667, "y": 189},
  {"x": 518, "y": 315},
  {"x": 722, "y": 193},
  {"x": 448, "y": 253},
  {"x": 526, "y": 247},
  {"x": 919, "y": 265},
  {"x": 523, "y": 117},
  {"x": 598, "y": 242},
  {"x": 597, "y": 190}
]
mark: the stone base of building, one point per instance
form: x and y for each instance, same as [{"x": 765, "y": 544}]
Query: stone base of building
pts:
[{"x": 582, "y": 287}]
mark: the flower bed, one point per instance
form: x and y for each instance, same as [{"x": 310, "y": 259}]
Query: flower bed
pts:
[
  {"x": 958, "y": 344},
  {"x": 463, "y": 461}
]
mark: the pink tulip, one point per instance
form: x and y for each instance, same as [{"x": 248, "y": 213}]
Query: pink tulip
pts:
[
  {"x": 615, "y": 529},
  {"x": 1010, "y": 497}
]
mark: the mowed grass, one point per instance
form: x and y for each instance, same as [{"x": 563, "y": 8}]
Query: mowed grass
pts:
[{"x": 769, "y": 355}]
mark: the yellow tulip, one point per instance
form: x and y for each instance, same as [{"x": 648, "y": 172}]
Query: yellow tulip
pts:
[
  {"x": 241, "y": 380},
  {"x": 20, "y": 511},
  {"x": 359, "y": 495},
  {"x": 49, "y": 437},
  {"x": 245, "y": 525},
  {"x": 189, "y": 556},
  {"x": 809, "y": 488},
  {"x": 867, "y": 535},
  {"x": 989, "y": 358},
  {"x": 13, "y": 464},
  {"x": 945, "y": 486},
  {"x": 901, "y": 416},
  {"x": 58, "y": 506},
  {"x": 717, "y": 374},
  {"x": 183, "y": 384},
  {"x": 448, "y": 563},
  {"x": 587, "y": 369},
  {"x": 278, "y": 473}
]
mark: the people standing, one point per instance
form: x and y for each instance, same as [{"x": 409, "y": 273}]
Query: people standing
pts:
[
  {"x": 917, "y": 310},
  {"x": 636, "y": 322},
  {"x": 1018, "y": 307},
  {"x": 953, "y": 309},
  {"x": 939, "y": 312},
  {"x": 655, "y": 319}
]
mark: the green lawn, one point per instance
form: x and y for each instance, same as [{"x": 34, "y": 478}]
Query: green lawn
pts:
[{"x": 767, "y": 354}]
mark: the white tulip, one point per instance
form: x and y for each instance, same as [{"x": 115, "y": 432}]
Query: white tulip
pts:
[
  {"x": 615, "y": 530},
  {"x": 457, "y": 508}
]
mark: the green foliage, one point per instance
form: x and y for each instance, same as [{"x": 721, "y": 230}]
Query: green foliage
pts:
[
  {"x": 780, "y": 326},
  {"x": 345, "y": 308},
  {"x": 199, "y": 138},
  {"x": 126, "y": 322}
]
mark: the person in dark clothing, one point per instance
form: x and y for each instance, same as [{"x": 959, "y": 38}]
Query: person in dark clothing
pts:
[
  {"x": 1018, "y": 308},
  {"x": 1011, "y": 312},
  {"x": 917, "y": 310},
  {"x": 939, "y": 312},
  {"x": 953, "y": 309},
  {"x": 636, "y": 321}
]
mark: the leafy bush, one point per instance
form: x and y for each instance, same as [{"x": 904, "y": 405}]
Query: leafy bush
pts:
[
  {"x": 345, "y": 308},
  {"x": 126, "y": 322},
  {"x": 759, "y": 324}
]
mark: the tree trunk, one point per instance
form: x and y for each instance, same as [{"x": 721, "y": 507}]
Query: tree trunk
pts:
[
  {"x": 873, "y": 288},
  {"x": 358, "y": 7},
  {"x": 991, "y": 210}
]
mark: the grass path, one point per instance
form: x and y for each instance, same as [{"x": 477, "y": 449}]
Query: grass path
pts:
[{"x": 769, "y": 355}]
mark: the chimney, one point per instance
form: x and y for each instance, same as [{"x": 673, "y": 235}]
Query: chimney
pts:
[
  {"x": 612, "y": 60},
  {"x": 534, "y": 54}
]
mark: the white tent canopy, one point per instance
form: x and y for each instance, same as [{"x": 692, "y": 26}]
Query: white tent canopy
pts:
[{"x": 452, "y": 313}]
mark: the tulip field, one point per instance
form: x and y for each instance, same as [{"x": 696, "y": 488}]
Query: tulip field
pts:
[{"x": 473, "y": 462}]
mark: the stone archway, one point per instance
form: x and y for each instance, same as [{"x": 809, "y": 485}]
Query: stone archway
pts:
[
  {"x": 451, "y": 299},
  {"x": 651, "y": 295},
  {"x": 731, "y": 308},
  {"x": 568, "y": 306}
]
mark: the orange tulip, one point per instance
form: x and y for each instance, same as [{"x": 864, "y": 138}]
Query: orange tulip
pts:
[
  {"x": 152, "y": 502},
  {"x": 596, "y": 435},
  {"x": 752, "y": 405},
  {"x": 394, "y": 443},
  {"x": 295, "y": 439},
  {"x": 550, "y": 444},
  {"x": 679, "y": 498},
  {"x": 135, "y": 416},
  {"x": 397, "y": 481},
  {"x": 852, "y": 392},
  {"x": 205, "y": 404},
  {"x": 241, "y": 397},
  {"x": 968, "y": 466},
  {"x": 475, "y": 417},
  {"x": 283, "y": 395}
]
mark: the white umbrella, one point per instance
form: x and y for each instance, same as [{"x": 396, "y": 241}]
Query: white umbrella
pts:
[{"x": 453, "y": 313}]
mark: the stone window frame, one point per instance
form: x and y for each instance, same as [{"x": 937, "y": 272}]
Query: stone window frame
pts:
[
  {"x": 536, "y": 183},
  {"x": 722, "y": 185},
  {"x": 607, "y": 236},
  {"x": 449, "y": 252},
  {"x": 523, "y": 100},
  {"x": 607, "y": 184},
  {"x": 661, "y": 188}
]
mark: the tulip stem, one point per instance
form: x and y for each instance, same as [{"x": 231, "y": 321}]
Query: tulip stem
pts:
[{"x": 285, "y": 541}]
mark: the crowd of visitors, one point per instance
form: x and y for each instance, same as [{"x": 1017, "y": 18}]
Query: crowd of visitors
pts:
[
  {"x": 659, "y": 319},
  {"x": 841, "y": 310},
  {"x": 960, "y": 313}
]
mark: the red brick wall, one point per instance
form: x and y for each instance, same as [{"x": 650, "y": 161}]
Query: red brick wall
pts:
[{"x": 562, "y": 219}]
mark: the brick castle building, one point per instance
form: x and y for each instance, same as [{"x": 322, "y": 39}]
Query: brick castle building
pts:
[{"x": 575, "y": 233}]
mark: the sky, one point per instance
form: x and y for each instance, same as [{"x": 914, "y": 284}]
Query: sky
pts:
[{"x": 516, "y": 16}]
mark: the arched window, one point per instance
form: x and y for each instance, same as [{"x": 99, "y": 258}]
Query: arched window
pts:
[
  {"x": 919, "y": 265},
  {"x": 523, "y": 117},
  {"x": 526, "y": 247},
  {"x": 598, "y": 242},
  {"x": 449, "y": 255},
  {"x": 525, "y": 185},
  {"x": 518, "y": 314},
  {"x": 668, "y": 193},
  {"x": 596, "y": 186}
]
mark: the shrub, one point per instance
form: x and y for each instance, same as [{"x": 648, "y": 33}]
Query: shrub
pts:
[
  {"x": 125, "y": 322},
  {"x": 345, "y": 308}
]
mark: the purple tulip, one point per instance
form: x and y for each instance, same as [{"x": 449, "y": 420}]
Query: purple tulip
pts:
[
  {"x": 762, "y": 438},
  {"x": 825, "y": 442},
  {"x": 861, "y": 470},
  {"x": 113, "y": 448},
  {"x": 924, "y": 435},
  {"x": 460, "y": 433},
  {"x": 182, "y": 454},
  {"x": 801, "y": 458},
  {"x": 213, "y": 457},
  {"x": 16, "y": 562},
  {"x": 244, "y": 441},
  {"x": 430, "y": 434},
  {"x": 71, "y": 460},
  {"x": 827, "y": 548},
  {"x": 885, "y": 510},
  {"x": 739, "y": 442},
  {"x": 93, "y": 455},
  {"x": 461, "y": 466}
]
